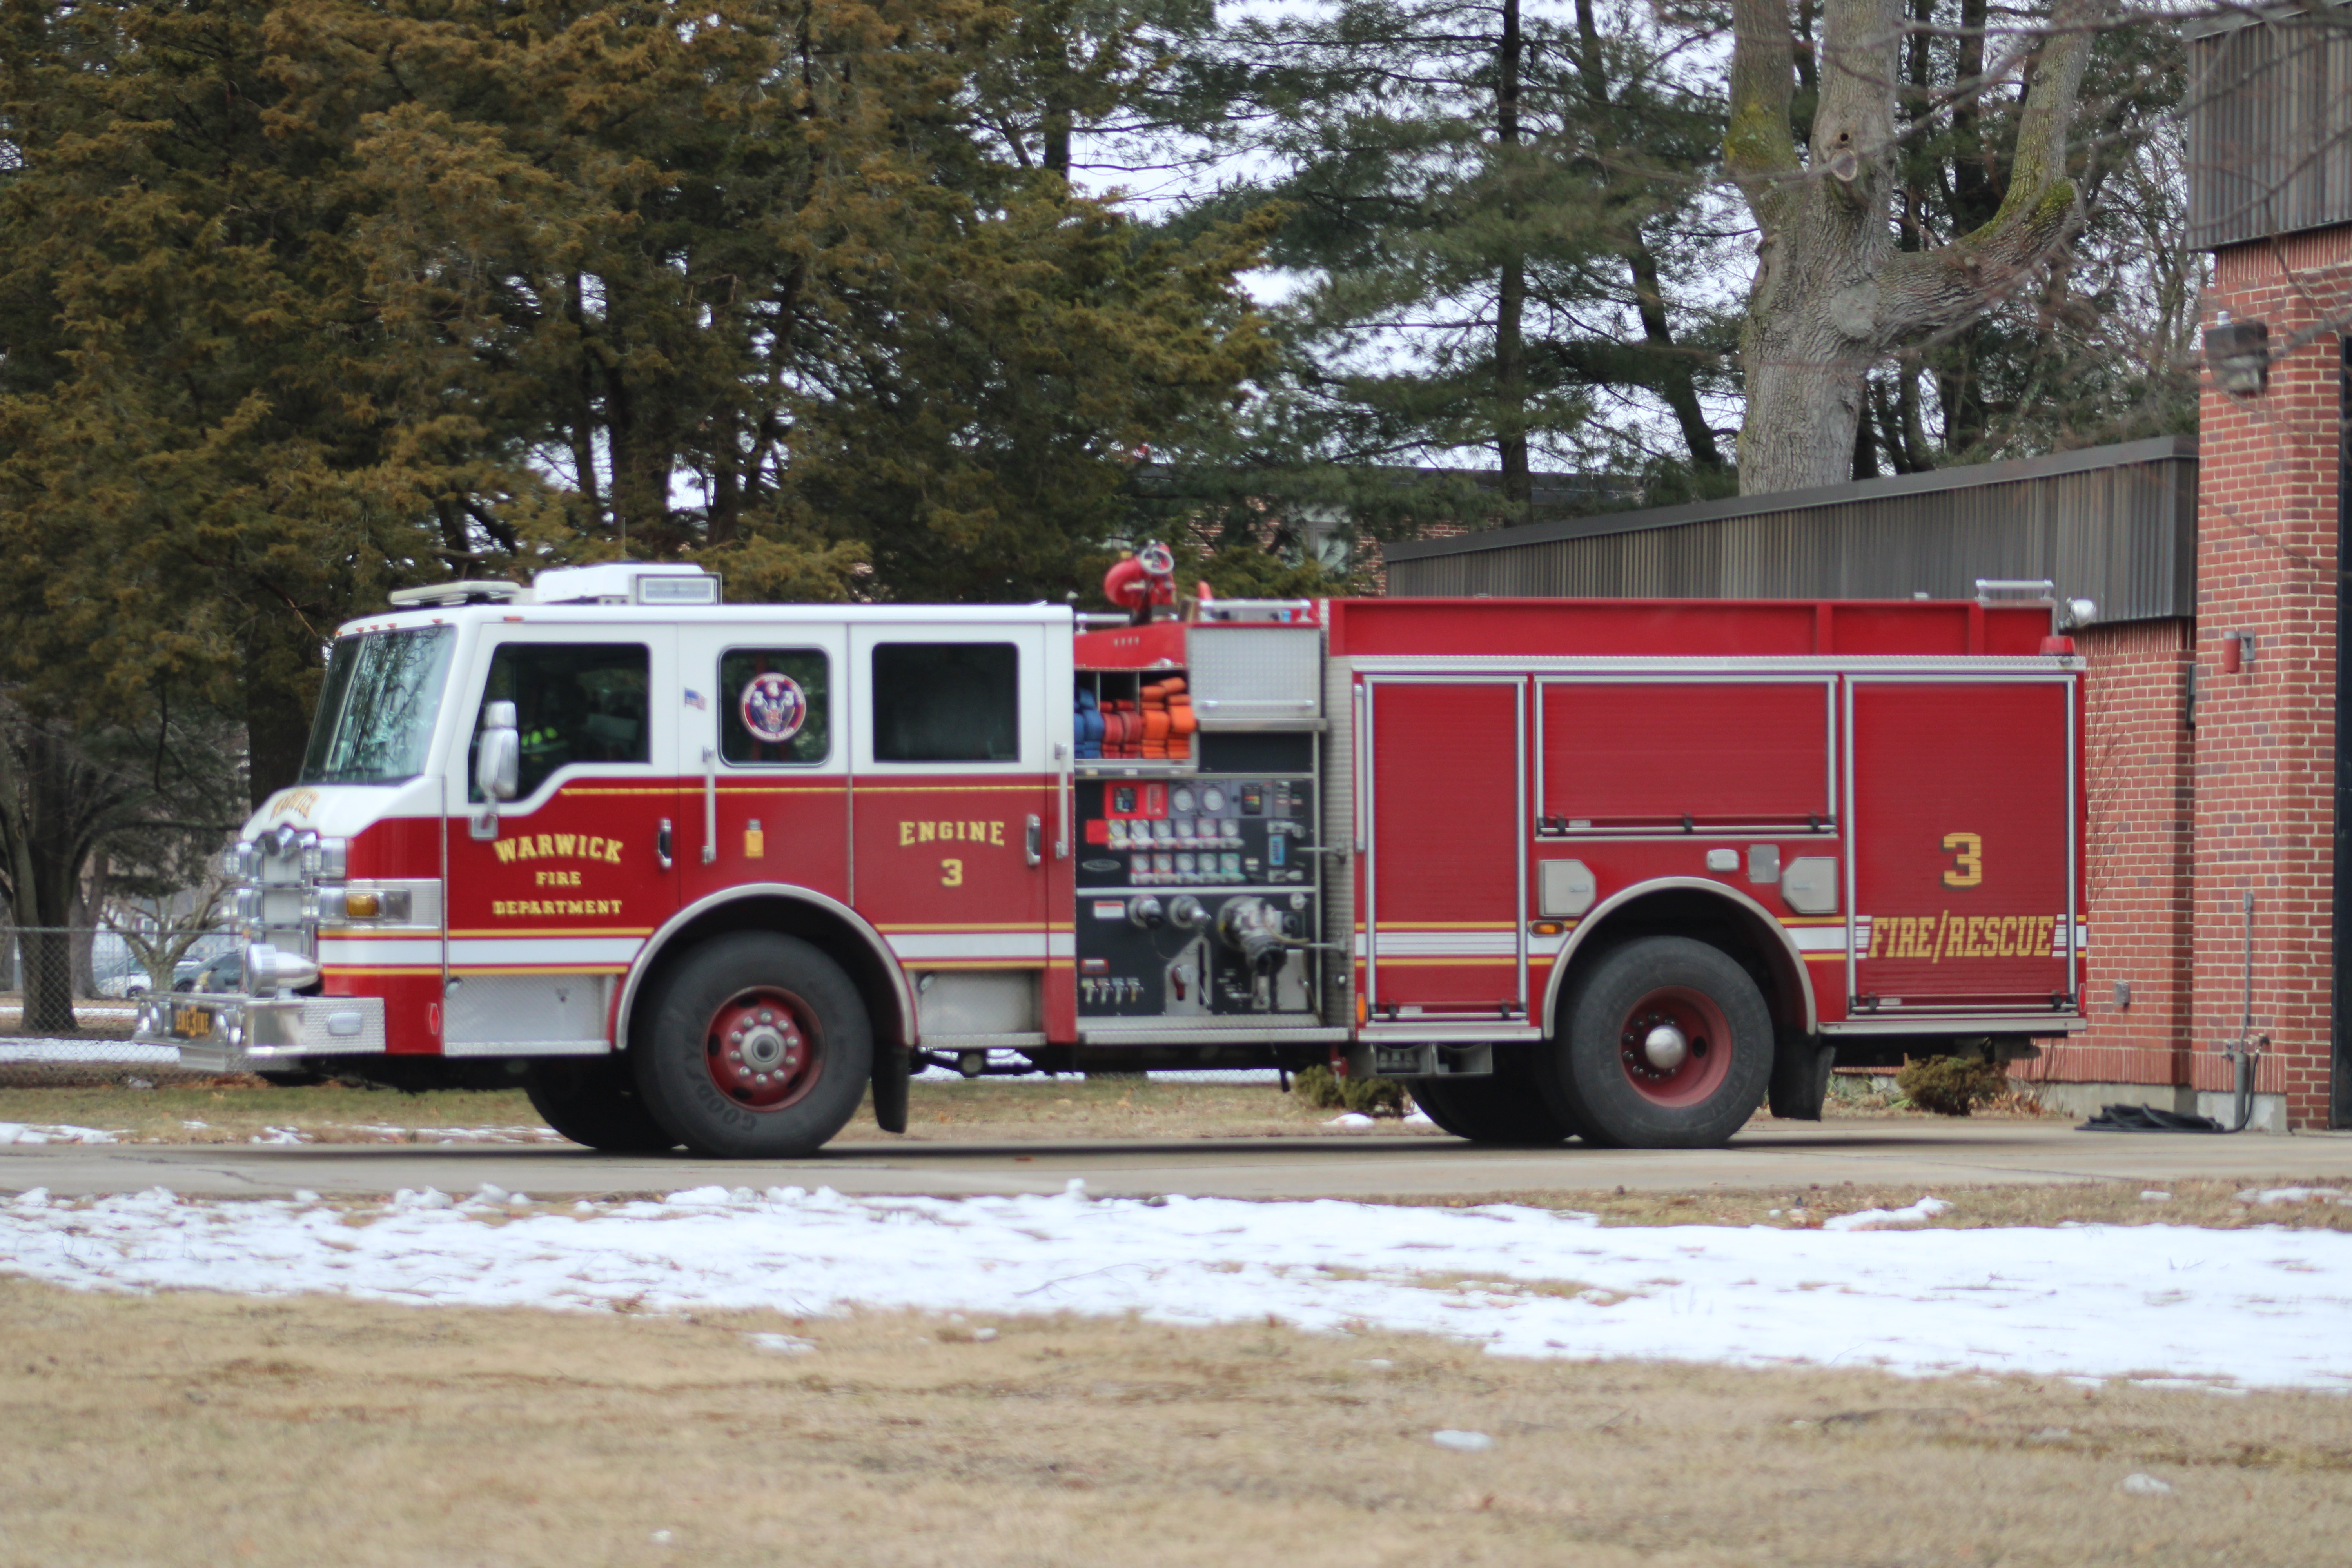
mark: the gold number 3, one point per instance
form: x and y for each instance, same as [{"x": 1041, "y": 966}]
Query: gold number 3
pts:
[
  {"x": 950, "y": 873},
  {"x": 1967, "y": 860}
]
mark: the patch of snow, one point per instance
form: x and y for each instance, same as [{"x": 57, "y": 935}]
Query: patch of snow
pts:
[
  {"x": 2139, "y": 1483},
  {"x": 2154, "y": 1196},
  {"x": 1919, "y": 1213},
  {"x": 455, "y": 1134},
  {"x": 280, "y": 1135},
  {"x": 1417, "y": 1117},
  {"x": 1463, "y": 1442},
  {"x": 61, "y": 1132},
  {"x": 2267, "y": 1195},
  {"x": 1351, "y": 1119},
  {"x": 2049, "y": 1302},
  {"x": 114, "y": 1052},
  {"x": 780, "y": 1344}
]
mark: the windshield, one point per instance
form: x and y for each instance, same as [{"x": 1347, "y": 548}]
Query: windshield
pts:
[{"x": 375, "y": 716}]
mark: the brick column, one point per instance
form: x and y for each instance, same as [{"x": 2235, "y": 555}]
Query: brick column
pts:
[
  {"x": 2136, "y": 727},
  {"x": 2266, "y": 739}
]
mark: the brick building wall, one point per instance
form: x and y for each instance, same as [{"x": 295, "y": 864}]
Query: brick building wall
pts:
[
  {"x": 2135, "y": 860},
  {"x": 2264, "y": 746}
]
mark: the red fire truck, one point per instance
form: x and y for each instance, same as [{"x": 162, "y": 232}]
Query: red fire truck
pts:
[{"x": 698, "y": 873}]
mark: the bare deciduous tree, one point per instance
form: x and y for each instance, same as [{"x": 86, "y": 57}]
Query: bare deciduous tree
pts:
[{"x": 1833, "y": 294}]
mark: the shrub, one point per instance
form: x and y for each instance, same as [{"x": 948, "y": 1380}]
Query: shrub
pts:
[
  {"x": 1951, "y": 1086},
  {"x": 1367, "y": 1096}
]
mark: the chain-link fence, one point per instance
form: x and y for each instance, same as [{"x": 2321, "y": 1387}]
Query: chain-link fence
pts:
[{"x": 70, "y": 999}]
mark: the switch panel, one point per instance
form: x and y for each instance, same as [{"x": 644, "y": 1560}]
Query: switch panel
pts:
[{"x": 1198, "y": 895}]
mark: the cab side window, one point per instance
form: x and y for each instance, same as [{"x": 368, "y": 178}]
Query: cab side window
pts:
[
  {"x": 574, "y": 703},
  {"x": 775, "y": 705},
  {"x": 947, "y": 702}
]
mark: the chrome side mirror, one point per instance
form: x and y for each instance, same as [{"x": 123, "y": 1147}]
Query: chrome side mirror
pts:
[{"x": 499, "y": 764}]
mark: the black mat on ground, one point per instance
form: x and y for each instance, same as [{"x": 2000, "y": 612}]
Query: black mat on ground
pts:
[{"x": 2148, "y": 1119}]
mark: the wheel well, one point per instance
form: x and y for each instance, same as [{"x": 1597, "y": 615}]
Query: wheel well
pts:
[
  {"x": 877, "y": 979},
  {"x": 1748, "y": 937}
]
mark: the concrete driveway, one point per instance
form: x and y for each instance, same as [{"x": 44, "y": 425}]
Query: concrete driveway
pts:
[{"x": 1953, "y": 1154}]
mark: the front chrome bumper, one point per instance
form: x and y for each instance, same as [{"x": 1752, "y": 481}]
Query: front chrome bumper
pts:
[{"x": 227, "y": 1032}]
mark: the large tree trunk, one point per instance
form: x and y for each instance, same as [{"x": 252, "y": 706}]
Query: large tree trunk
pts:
[
  {"x": 1832, "y": 296},
  {"x": 48, "y": 809}
]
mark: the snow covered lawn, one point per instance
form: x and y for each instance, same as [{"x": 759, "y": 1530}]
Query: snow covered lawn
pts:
[{"x": 2252, "y": 1307}]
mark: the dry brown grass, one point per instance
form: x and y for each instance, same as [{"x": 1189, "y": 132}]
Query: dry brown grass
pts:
[
  {"x": 2212, "y": 1203},
  {"x": 233, "y": 1110},
  {"x": 205, "y": 1430}
]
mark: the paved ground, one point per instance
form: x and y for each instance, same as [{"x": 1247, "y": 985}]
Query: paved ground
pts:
[{"x": 1955, "y": 1154}]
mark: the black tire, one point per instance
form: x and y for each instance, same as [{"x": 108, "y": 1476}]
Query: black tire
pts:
[
  {"x": 1604, "y": 1078},
  {"x": 1508, "y": 1108},
  {"x": 740, "y": 1005},
  {"x": 594, "y": 1100}
]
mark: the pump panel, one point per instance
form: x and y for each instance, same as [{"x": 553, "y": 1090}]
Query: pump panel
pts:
[{"x": 1198, "y": 892}]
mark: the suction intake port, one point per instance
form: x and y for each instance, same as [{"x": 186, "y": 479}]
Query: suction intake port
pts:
[{"x": 1254, "y": 929}]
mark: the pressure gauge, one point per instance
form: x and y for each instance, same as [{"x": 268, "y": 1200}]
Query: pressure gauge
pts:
[
  {"x": 1213, "y": 800},
  {"x": 1181, "y": 801}
]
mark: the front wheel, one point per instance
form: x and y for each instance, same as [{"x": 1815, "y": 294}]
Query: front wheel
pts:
[
  {"x": 1668, "y": 1045},
  {"x": 756, "y": 1046}
]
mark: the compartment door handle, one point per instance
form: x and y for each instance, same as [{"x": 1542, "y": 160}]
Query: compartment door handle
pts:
[{"x": 709, "y": 805}]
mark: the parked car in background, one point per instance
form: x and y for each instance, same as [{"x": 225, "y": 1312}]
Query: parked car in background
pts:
[
  {"x": 130, "y": 982},
  {"x": 218, "y": 973}
]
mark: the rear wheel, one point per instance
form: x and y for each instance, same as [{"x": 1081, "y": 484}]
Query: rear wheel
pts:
[
  {"x": 1668, "y": 1045},
  {"x": 755, "y": 1046},
  {"x": 1506, "y": 1107},
  {"x": 594, "y": 1100}
]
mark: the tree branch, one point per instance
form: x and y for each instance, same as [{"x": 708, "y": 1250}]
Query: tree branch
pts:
[
  {"x": 1757, "y": 147},
  {"x": 1926, "y": 292}
]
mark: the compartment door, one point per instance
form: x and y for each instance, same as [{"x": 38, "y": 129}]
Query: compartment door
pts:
[
  {"x": 957, "y": 756},
  {"x": 1446, "y": 842},
  {"x": 1963, "y": 845}
]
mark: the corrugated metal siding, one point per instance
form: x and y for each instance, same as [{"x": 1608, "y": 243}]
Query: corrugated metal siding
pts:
[
  {"x": 2124, "y": 534},
  {"x": 2270, "y": 127}
]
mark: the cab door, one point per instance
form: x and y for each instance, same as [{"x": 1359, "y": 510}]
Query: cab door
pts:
[
  {"x": 552, "y": 895},
  {"x": 767, "y": 758},
  {"x": 954, "y": 802}
]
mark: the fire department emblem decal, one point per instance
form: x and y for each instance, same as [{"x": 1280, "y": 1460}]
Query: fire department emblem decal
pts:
[{"x": 773, "y": 708}]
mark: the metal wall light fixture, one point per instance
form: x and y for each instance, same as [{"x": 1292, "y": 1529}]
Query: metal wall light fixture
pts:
[{"x": 2239, "y": 355}]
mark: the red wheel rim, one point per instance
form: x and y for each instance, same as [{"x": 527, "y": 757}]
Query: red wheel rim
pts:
[
  {"x": 762, "y": 1048},
  {"x": 1674, "y": 1046}
]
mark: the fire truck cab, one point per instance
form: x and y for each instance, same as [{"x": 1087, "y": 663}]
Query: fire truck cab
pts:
[{"x": 697, "y": 873}]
